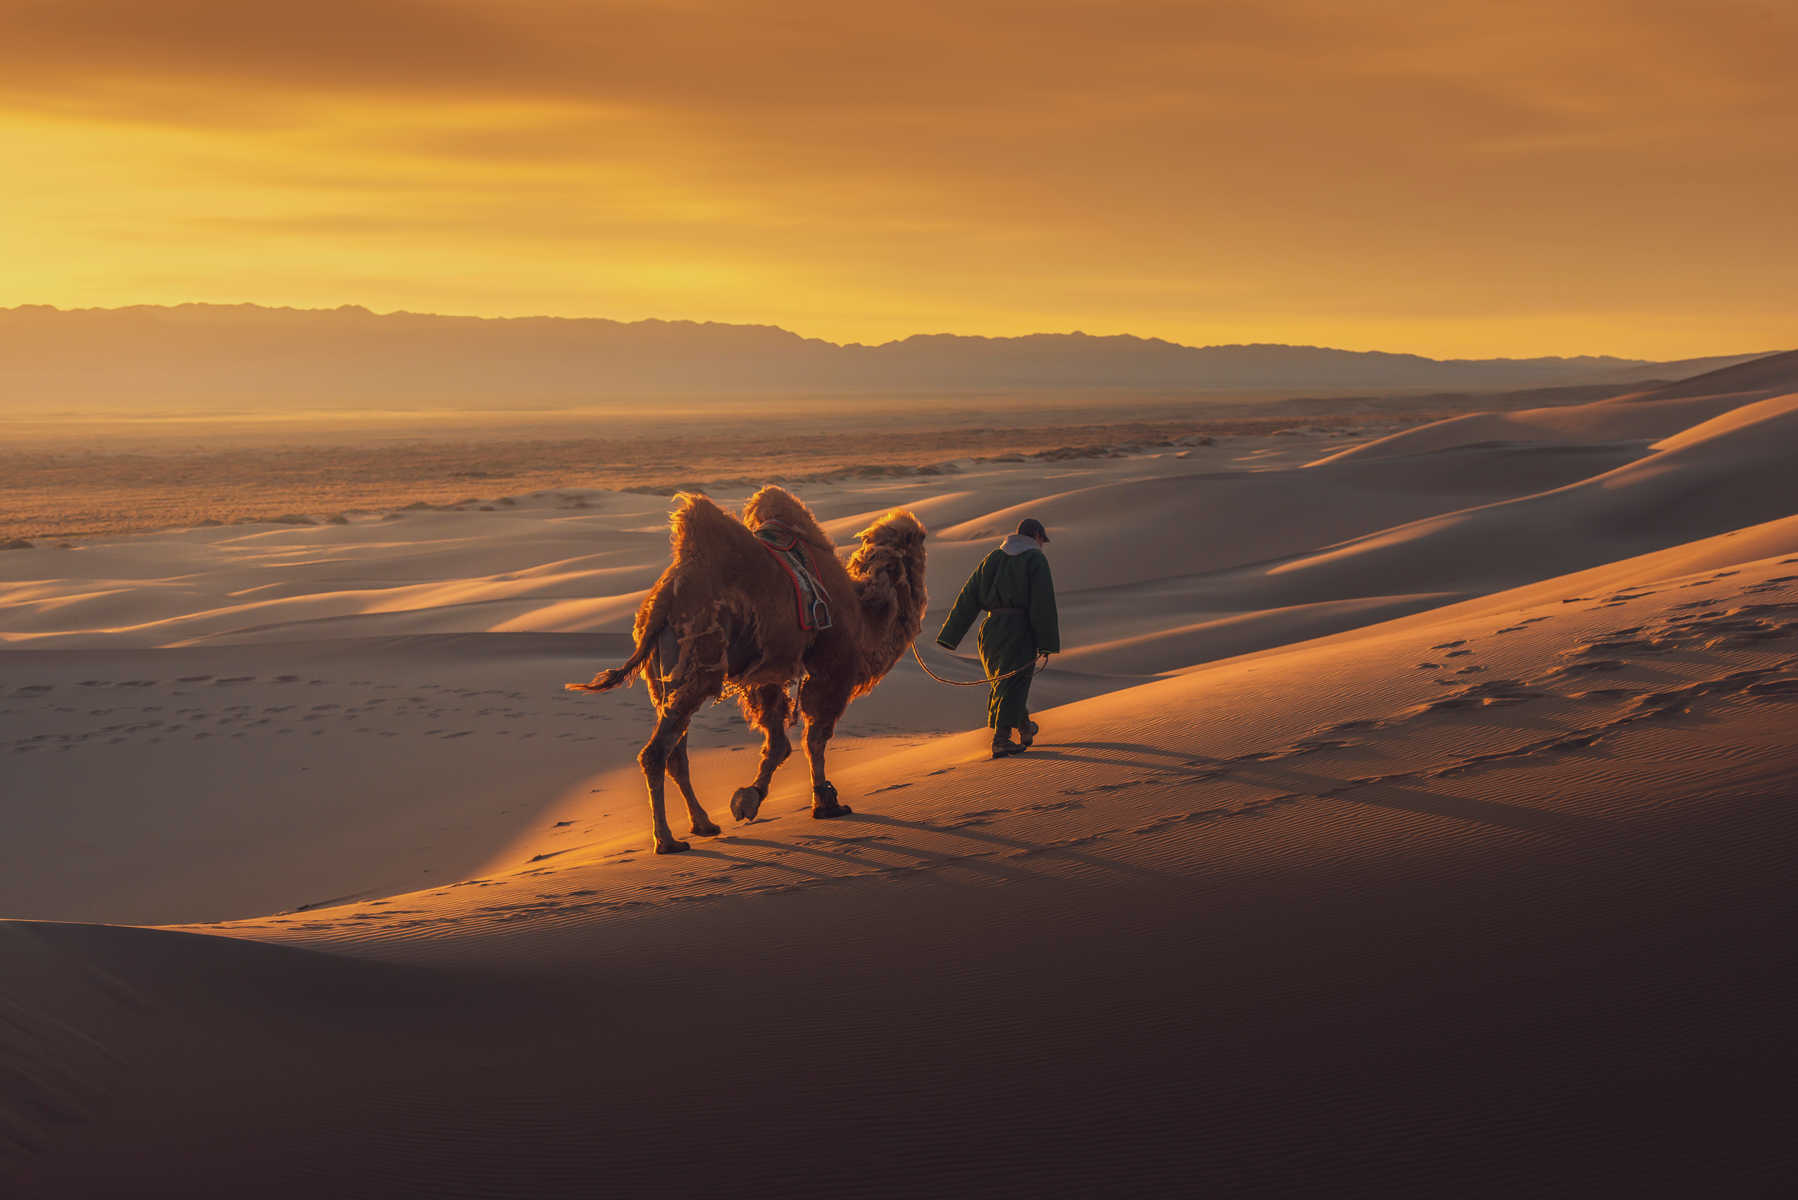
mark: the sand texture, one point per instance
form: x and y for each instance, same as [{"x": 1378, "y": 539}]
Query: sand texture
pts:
[{"x": 1410, "y": 817}]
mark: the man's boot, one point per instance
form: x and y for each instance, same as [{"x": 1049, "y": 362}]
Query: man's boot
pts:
[
  {"x": 1027, "y": 732},
  {"x": 1003, "y": 746}
]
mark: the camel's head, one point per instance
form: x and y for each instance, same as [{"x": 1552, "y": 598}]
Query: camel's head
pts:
[
  {"x": 888, "y": 567},
  {"x": 888, "y": 571}
]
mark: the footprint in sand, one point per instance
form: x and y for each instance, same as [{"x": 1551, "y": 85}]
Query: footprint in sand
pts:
[
  {"x": 1614, "y": 645},
  {"x": 1486, "y": 695},
  {"x": 1588, "y": 668}
]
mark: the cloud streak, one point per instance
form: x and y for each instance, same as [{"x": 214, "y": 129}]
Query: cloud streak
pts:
[{"x": 1295, "y": 170}]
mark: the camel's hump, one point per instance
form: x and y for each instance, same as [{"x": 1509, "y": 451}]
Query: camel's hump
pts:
[{"x": 777, "y": 505}]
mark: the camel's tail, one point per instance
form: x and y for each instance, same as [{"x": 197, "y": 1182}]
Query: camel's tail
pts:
[{"x": 648, "y": 630}]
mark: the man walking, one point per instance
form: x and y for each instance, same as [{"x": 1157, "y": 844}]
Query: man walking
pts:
[{"x": 1013, "y": 587}]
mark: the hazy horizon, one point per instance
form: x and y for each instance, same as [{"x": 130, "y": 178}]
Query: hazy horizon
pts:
[
  {"x": 1269, "y": 341},
  {"x": 255, "y": 359}
]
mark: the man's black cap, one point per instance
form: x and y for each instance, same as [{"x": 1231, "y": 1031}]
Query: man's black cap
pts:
[{"x": 1030, "y": 527}]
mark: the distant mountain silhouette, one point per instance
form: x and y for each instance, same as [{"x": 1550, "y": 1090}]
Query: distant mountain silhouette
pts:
[{"x": 205, "y": 355}]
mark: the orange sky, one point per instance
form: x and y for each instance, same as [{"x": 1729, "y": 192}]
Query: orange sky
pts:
[{"x": 1451, "y": 178}]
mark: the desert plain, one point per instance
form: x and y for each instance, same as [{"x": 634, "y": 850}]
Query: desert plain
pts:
[{"x": 1413, "y": 814}]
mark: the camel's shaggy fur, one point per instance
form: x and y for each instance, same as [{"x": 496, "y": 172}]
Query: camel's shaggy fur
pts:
[{"x": 723, "y": 618}]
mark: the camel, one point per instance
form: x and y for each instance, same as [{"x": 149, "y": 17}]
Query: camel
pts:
[{"x": 725, "y": 617}]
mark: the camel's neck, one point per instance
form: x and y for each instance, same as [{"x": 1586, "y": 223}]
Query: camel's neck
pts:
[
  {"x": 884, "y": 655},
  {"x": 887, "y": 629}
]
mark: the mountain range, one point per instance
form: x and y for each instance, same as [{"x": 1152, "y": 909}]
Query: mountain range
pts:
[{"x": 203, "y": 355}]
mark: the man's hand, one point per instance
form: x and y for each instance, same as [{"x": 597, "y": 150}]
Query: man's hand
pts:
[{"x": 1044, "y": 664}]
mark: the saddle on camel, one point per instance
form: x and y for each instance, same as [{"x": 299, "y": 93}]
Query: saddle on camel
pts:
[{"x": 763, "y": 608}]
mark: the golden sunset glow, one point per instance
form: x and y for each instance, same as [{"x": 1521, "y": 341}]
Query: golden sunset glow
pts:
[{"x": 1449, "y": 179}]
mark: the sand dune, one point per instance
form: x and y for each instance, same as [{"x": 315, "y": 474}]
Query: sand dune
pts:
[
  {"x": 1633, "y": 416},
  {"x": 1414, "y": 822},
  {"x": 1768, "y": 373},
  {"x": 1728, "y": 472}
]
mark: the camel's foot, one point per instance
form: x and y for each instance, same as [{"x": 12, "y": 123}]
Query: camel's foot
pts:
[
  {"x": 747, "y": 802},
  {"x": 705, "y": 828},
  {"x": 825, "y": 804},
  {"x": 667, "y": 845}
]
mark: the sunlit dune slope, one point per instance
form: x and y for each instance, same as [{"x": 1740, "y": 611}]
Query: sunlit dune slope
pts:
[
  {"x": 1496, "y": 704},
  {"x": 394, "y": 686},
  {"x": 1727, "y": 473},
  {"x": 1770, "y": 373},
  {"x": 1635, "y": 416}
]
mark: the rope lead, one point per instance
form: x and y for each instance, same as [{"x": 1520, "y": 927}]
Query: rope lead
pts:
[{"x": 967, "y": 682}]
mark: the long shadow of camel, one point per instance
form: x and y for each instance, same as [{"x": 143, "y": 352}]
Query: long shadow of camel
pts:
[
  {"x": 1390, "y": 794},
  {"x": 1275, "y": 776},
  {"x": 887, "y": 846},
  {"x": 1032, "y": 848},
  {"x": 1280, "y": 776}
]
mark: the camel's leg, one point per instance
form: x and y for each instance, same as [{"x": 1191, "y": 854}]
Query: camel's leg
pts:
[
  {"x": 677, "y": 769},
  {"x": 823, "y": 704},
  {"x": 671, "y": 727},
  {"x": 767, "y": 710}
]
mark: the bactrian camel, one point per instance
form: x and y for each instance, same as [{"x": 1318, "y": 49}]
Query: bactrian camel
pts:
[{"x": 726, "y": 614}]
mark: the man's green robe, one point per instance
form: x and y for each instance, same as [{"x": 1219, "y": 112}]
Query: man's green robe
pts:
[{"x": 1020, "y": 583}]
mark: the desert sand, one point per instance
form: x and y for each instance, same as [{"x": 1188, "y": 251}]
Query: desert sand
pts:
[{"x": 1412, "y": 815}]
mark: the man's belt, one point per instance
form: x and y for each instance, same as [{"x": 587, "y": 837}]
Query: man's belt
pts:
[{"x": 1008, "y": 612}]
